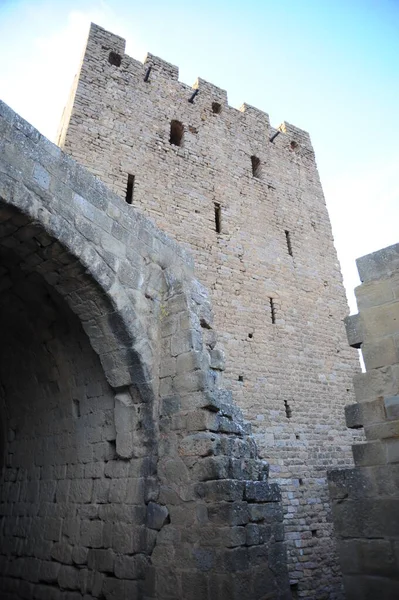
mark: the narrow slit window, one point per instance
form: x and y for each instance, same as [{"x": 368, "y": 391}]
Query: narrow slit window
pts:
[
  {"x": 218, "y": 218},
  {"x": 176, "y": 133},
  {"x": 129, "y": 189},
  {"x": 256, "y": 170},
  {"x": 272, "y": 311},
  {"x": 288, "y": 411},
  {"x": 288, "y": 240}
]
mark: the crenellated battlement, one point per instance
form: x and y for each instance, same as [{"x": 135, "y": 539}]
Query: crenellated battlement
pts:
[{"x": 106, "y": 53}]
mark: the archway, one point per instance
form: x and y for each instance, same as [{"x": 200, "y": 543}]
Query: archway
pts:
[{"x": 72, "y": 506}]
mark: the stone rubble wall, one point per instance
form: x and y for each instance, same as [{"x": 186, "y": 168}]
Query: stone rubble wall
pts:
[
  {"x": 365, "y": 498},
  {"x": 273, "y": 260},
  {"x": 128, "y": 472}
]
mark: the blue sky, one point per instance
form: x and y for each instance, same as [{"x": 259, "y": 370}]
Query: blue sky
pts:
[{"x": 329, "y": 67}]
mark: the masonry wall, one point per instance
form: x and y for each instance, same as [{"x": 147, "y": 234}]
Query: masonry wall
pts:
[
  {"x": 272, "y": 268},
  {"x": 366, "y": 498},
  {"x": 128, "y": 471},
  {"x": 72, "y": 513}
]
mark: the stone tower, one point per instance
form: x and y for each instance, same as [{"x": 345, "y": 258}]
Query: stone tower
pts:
[{"x": 246, "y": 199}]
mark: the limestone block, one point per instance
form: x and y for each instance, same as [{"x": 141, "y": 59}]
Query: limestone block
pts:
[
  {"x": 378, "y": 264},
  {"x": 354, "y": 331},
  {"x": 373, "y": 294},
  {"x": 380, "y": 321},
  {"x": 157, "y": 515},
  {"x": 381, "y": 431},
  {"x": 380, "y": 352},
  {"x": 124, "y": 424}
]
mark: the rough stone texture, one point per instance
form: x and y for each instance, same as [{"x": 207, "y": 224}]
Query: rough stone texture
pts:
[
  {"x": 293, "y": 377},
  {"x": 366, "y": 499},
  {"x": 127, "y": 471}
]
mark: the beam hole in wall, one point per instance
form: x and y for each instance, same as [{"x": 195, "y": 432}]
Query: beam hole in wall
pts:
[
  {"x": 294, "y": 591},
  {"x": 129, "y": 188},
  {"x": 297, "y": 436},
  {"x": 216, "y": 108},
  {"x": 288, "y": 240},
  {"x": 114, "y": 59},
  {"x": 272, "y": 311},
  {"x": 250, "y": 335},
  {"x": 294, "y": 145},
  {"x": 241, "y": 378},
  {"x": 76, "y": 408},
  {"x": 176, "y": 133},
  {"x": 300, "y": 481},
  {"x": 256, "y": 170},
  {"x": 218, "y": 218},
  {"x": 288, "y": 411},
  {"x": 314, "y": 532}
]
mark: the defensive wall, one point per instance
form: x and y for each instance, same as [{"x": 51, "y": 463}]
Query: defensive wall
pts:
[
  {"x": 246, "y": 199},
  {"x": 366, "y": 498},
  {"x": 127, "y": 471}
]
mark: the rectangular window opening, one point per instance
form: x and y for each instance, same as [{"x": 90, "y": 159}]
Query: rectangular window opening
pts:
[
  {"x": 176, "y": 133},
  {"x": 129, "y": 188},
  {"x": 256, "y": 167},
  {"x": 272, "y": 311},
  {"x": 288, "y": 240},
  {"x": 218, "y": 218}
]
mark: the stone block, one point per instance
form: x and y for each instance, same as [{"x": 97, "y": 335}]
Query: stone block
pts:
[
  {"x": 131, "y": 567},
  {"x": 68, "y": 578},
  {"x": 92, "y": 534},
  {"x": 101, "y": 560},
  {"x": 368, "y": 517},
  {"x": 157, "y": 516},
  {"x": 354, "y": 416},
  {"x": 228, "y": 490},
  {"x": 229, "y": 513},
  {"x": 378, "y": 264},
  {"x": 200, "y": 444},
  {"x": 262, "y": 491},
  {"x": 379, "y": 352},
  {"x": 124, "y": 424},
  {"x": 380, "y": 431},
  {"x": 80, "y": 490},
  {"x": 374, "y": 293},
  {"x": 354, "y": 330}
]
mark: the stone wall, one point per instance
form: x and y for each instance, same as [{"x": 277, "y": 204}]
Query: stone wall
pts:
[
  {"x": 127, "y": 471},
  {"x": 366, "y": 498},
  {"x": 184, "y": 157}
]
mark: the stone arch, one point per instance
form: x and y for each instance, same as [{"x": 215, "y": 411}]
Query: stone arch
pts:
[{"x": 48, "y": 246}]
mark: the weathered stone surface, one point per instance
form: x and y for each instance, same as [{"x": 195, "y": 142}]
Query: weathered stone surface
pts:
[
  {"x": 108, "y": 487},
  {"x": 271, "y": 269},
  {"x": 365, "y": 500}
]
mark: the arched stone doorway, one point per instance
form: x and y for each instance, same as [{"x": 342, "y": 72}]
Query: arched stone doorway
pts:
[
  {"x": 73, "y": 506},
  {"x": 59, "y": 422}
]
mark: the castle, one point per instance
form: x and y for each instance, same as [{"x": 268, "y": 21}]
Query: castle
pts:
[
  {"x": 246, "y": 199},
  {"x": 143, "y": 442}
]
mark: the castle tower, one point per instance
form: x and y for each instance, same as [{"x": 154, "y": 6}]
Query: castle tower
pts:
[{"x": 246, "y": 199}]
